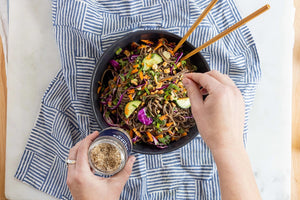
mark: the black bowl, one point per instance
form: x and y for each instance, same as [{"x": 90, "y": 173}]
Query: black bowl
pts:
[{"x": 102, "y": 64}]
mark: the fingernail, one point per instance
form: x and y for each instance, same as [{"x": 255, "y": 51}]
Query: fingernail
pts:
[{"x": 186, "y": 81}]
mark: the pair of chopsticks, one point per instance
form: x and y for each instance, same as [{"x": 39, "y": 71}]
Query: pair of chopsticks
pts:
[{"x": 221, "y": 35}]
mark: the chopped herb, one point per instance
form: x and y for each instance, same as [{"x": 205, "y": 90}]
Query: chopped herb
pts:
[
  {"x": 181, "y": 131},
  {"x": 157, "y": 120},
  {"x": 166, "y": 97},
  {"x": 107, "y": 114},
  {"x": 118, "y": 51},
  {"x": 175, "y": 66},
  {"x": 165, "y": 140},
  {"x": 173, "y": 86},
  {"x": 152, "y": 73},
  {"x": 115, "y": 102},
  {"x": 183, "y": 62},
  {"x": 128, "y": 74},
  {"x": 146, "y": 89},
  {"x": 122, "y": 77},
  {"x": 123, "y": 62},
  {"x": 194, "y": 67}
]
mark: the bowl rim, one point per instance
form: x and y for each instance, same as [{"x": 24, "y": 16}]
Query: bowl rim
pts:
[{"x": 113, "y": 46}]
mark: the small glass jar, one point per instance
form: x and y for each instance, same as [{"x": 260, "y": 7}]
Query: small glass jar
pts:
[{"x": 109, "y": 152}]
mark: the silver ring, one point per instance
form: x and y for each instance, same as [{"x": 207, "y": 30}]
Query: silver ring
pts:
[{"x": 70, "y": 162}]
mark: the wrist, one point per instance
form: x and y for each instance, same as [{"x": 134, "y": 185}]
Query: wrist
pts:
[
  {"x": 229, "y": 154},
  {"x": 227, "y": 149}
]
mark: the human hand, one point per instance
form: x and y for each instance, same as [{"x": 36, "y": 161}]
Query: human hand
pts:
[
  {"x": 84, "y": 185},
  {"x": 220, "y": 117}
]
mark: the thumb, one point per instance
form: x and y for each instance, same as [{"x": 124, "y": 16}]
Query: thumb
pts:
[
  {"x": 124, "y": 174},
  {"x": 194, "y": 93}
]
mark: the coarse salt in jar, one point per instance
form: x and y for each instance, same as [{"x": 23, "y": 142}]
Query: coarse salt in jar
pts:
[{"x": 109, "y": 152}]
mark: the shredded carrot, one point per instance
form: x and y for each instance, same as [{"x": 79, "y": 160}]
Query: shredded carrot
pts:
[
  {"x": 131, "y": 91},
  {"x": 101, "y": 108},
  {"x": 163, "y": 117},
  {"x": 172, "y": 52},
  {"x": 130, "y": 97},
  {"x": 113, "y": 112},
  {"x": 134, "y": 45},
  {"x": 106, "y": 89},
  {"x": 142, "y": 46},
  {"x": 173, "y": 138},
  {"x": 166, "y": 79},
  {"x": 99, "y": 83},
  {"x": 109, "y": 103},
  {"x": 148, "y": 57},
  {"x": 169, "y": 124},
  {"x": 141, "y": 75},
  {"x": 170, "y": 132},
  {"x": 119, "y": 85},
  {"x": 184, "y": 134},
  {"x": 147, "y": 41},
  {"x": 99, "y": 88},
  {"x": 180, "y": 84},
  {"x": 144, "y": 86},
  {"x": 136, "y": 132},
  {"x": 115, "y": 78},
  {"x": 179, "y": 64},
  {"x": 160, "y": 136},
  {"x": 134, "y": 71},
  {"x": 146, "y": 77},
  {"x": 150, "y": 139},
  {"x": 159, "y": 45},
  {"x": 135, "y": 66},
  {"x": 131, "y": 134}
]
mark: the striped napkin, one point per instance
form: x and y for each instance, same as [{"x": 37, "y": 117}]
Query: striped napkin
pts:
[{"x": 84, "y": 29}]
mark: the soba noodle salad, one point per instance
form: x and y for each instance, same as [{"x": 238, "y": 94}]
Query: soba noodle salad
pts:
[{"x": 145, "y": 95}]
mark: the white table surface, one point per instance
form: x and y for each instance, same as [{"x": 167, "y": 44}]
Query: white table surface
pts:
[{"x": 33, "y": 60}]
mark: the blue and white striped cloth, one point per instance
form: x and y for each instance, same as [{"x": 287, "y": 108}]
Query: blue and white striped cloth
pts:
[{"x": 84, "y": 29}]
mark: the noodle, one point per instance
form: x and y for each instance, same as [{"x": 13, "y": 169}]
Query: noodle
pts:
[{"x": 145, "y": 95}]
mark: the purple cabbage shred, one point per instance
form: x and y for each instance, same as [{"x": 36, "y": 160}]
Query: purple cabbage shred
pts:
[
  {"x": 115, "y": 65},
  {"x": 142, "y": 116}
]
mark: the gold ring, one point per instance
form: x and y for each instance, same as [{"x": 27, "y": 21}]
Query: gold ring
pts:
[{"x": 70, "y": 162}]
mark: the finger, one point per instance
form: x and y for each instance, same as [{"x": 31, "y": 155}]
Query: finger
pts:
[
  {"x": 125, "y": 173},
  {"x": 82, "y": 154},
  {"x": 72, "y": 156},
  {"x": 73, "y": 153},
  {"x": 222, "y": 78},
  {"x": 194, "y": 93},
  {"x": 204, "y": 80}
]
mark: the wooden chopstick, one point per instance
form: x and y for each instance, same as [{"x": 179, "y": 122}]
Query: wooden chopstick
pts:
[
  {"x": 227, "y": 31},
  {"x": 197, "y": 22}
]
